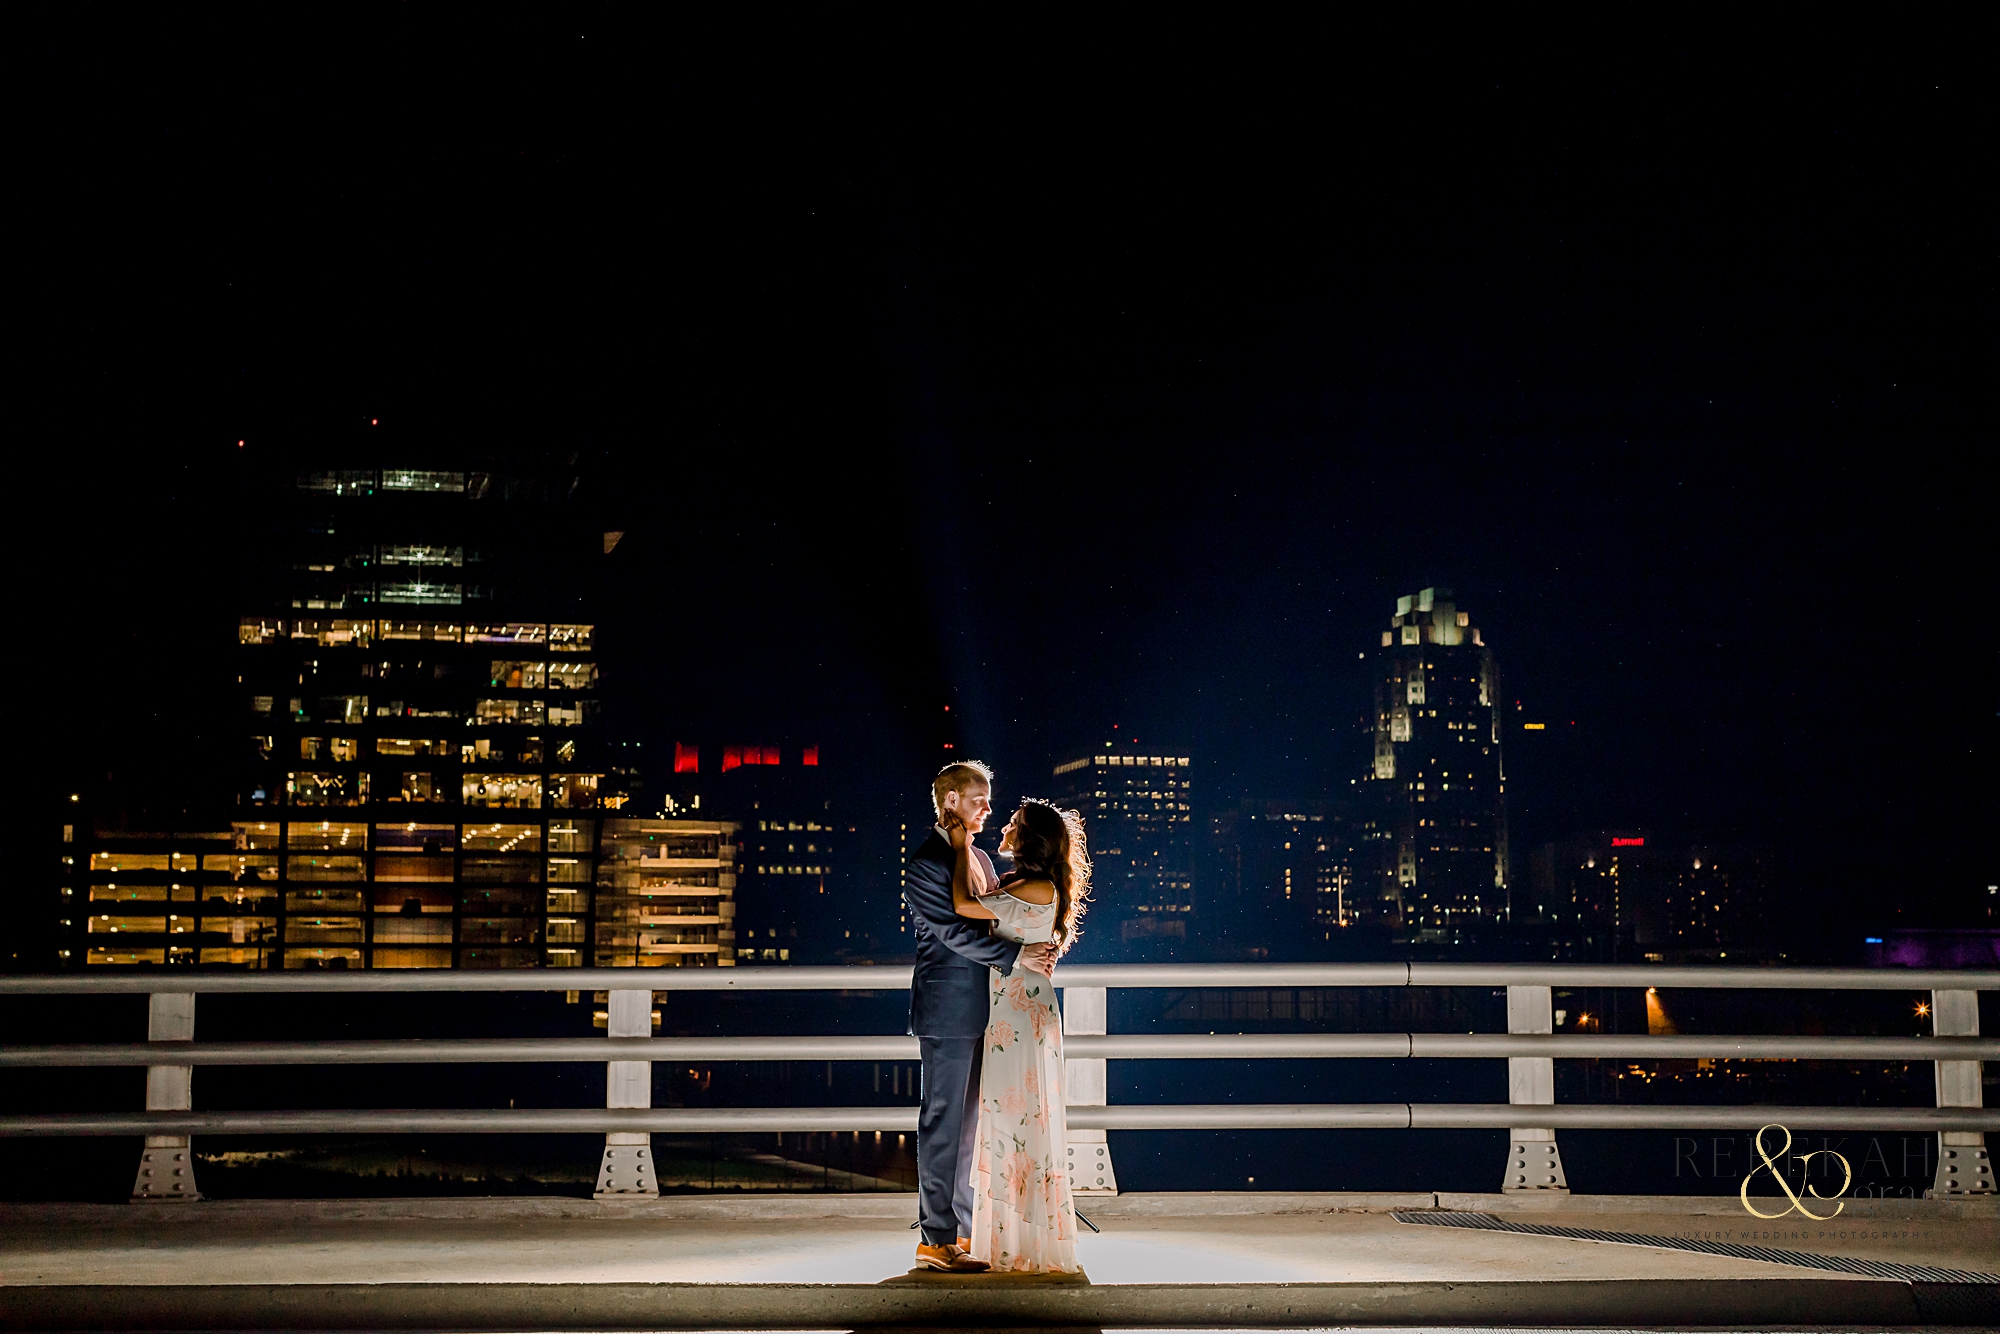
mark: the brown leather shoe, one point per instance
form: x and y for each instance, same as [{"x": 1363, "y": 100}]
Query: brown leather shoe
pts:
[
  {"x": 965, "y": 1244},
  {"x": 951, "y": 1258}
]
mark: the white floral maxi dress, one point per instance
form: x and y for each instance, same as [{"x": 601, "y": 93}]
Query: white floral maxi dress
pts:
[{"x": 1023, "y": 1218}]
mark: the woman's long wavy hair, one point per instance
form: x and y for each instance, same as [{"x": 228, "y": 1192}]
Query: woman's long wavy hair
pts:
[{"x": 1050, "y": 842}]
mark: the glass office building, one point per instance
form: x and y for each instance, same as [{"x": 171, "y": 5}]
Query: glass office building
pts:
[
  {"x": 421, "y": 776},
  {"x": 1280, "y": 880},
  {"x": 1138, "y": 815}
]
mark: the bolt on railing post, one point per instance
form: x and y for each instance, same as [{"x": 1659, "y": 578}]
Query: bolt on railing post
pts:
[
  {"x": 1964, "y": 1165},
  {"x": 627, "y": 1168},
  {"x": 1533, "y": 1161},
  {"x": 166, "y": 1164},
  {"x": 1083, "y": 1011}
]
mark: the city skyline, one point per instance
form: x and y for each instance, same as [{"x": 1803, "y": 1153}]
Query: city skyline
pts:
[
  {"x": 898, "y": 442},
  {"x": 798, "y": 882}
]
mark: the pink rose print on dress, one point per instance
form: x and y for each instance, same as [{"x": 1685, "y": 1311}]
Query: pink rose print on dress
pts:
[
  {"x": 1030, "y": 1082},
  {"x": 1019, "y": 1168},
  {"x": 1014, "y": 1103},
  {"x": 1002, "y": 1033}
]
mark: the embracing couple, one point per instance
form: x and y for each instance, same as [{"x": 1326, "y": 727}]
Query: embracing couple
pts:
[{"x": 992, "y": 1138}]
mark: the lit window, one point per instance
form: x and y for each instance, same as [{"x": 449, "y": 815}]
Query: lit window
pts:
[
  {"x": 531, "y": 712},
  {"x": 325, "y": 836},
  {"x": 503, "y": 838},
  {"x": 340, "y": 749},
  {"x": 405, "y": 479},
  {"x": 572, "y": 675},
  {"x": 438, "y": 631},
  {"x": 128, "y": 861},
  {"x": 338, "y": 482},
  {"x": 511, "y": 632},
  {"x": 506, "y": 790},
  {"x": 326, "y": 866},
  {"x": 412, "y": 746},
  {"x": 508, "y": 675},
  {"x": 417, "y": 787},
  {"x": 322, "y": 788},
  {"x": 574, "y": 791},
  {"x": 416, "y": 555},
  {"x": 420, "y": 593},
  {"x": 255, "y": 834},
  {"x": 351, "y": 710},
  {"x": 334, "y": 634}
]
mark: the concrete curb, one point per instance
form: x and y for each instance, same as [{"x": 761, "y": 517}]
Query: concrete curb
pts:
[
  {"x": 643, "y": 1306},
  {"x": 901, "y": 1205},
  {"x": 1730, "y": 1205}
]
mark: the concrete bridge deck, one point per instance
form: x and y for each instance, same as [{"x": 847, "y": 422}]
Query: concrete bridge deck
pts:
[{"x": 834, "y": 1261}]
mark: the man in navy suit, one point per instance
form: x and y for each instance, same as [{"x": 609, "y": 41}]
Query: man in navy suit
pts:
[{"x": 948, "y": 1002}]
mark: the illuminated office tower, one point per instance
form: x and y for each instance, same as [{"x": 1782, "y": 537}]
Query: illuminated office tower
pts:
[
  {"x": 1137, "y": 815},
  {"x": 421, "y": 780},
  {"x": 1431, "y": 833}
]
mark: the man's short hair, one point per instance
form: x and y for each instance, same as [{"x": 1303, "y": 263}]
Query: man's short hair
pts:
[{"x": 957, "y": 777}]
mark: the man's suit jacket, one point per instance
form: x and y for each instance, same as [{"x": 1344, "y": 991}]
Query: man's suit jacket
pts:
[{"x": 948, "y": 997}]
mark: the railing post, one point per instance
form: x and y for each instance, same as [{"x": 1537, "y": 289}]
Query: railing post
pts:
[
  {"x": 1964, "y": 1166},
  {"x": 1083, "y": 1086},
  {"x": 1533, "y": 1161},
  {"x": 627, "y": 1167},
  {"x": 166, "y": 1166}
]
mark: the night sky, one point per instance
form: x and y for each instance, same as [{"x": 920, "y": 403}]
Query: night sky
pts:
[{"x": 1071, "y": 402}]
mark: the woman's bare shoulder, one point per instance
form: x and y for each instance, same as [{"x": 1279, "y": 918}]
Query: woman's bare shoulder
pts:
[{"x": 1037, "y": 892}]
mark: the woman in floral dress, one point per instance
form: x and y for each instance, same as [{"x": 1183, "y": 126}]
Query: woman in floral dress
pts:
[{"x": 1023, "y": 1218}]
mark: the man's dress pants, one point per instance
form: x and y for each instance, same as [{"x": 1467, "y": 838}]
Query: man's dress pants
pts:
[{"x": 947, "y": 1123}]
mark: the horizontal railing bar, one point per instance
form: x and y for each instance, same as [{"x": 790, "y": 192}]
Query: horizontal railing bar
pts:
[
  {"x": 903, "y": 1120},
  {"x": 896, "y": 977},
  {"x": 1117, "y": 1046},
  {"x": 1478, "y": 1046},
  {"x": 467, "y": 1051},
  {"x": 879, "y": 977},
  {"x": 1713, "y": 977}
]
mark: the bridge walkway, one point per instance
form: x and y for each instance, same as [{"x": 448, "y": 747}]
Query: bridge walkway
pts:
[{"x": 831, "y": 1261}]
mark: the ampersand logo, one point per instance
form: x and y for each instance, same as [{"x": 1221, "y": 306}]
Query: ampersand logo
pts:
[{"x": 1806, "y": 1164}]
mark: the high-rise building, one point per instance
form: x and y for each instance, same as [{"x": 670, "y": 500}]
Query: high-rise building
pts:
[
  {"x": 1432, "y": 823},
  {"x": 422, "y": 779},
  {"x": 1282, "y": 874},
  {"x": 1138, "y": 815},
  {"x": 795, "y": 883},
  {"x": 814, "y": 882},
  {"x": 1620, "y": 895},
  {"x": 665, "y": 894}
]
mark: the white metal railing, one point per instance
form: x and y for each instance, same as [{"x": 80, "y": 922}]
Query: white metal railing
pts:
[{"x": 627, "y": 1121}]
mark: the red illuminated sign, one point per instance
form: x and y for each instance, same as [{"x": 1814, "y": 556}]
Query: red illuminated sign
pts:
[
  {"x": 1628, "y": 842},
  {"x": 811, "y": 755},
  {"x": 687, "y": 759},
  {"x": 737, "y": 756}
]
